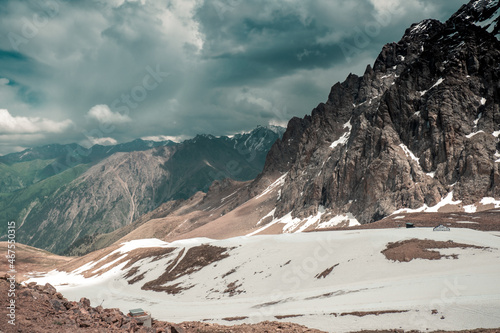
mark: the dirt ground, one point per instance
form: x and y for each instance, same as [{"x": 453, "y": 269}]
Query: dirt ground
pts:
[
  {"x": 410, "y": 249},
  {"x": 30, "y": 259}
]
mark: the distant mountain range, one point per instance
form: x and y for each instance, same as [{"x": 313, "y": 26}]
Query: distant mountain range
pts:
[
  {"x": 32, "y": 165},
  {"x": 59, "y": 194}
]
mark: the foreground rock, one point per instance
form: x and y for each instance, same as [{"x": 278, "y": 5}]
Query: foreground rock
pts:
[{"x": 43, "y": 309}]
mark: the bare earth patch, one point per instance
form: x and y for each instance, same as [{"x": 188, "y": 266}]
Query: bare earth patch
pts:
[
  {"x": 137, "y": 278},
  {"x": 263, "y": 305},
  {"x": 30, "y": 259},
  {"x": 229, "y": 273},
  {"x": 407, "y": 250},
  {"x": 371, "y": 313},
  {"x": 195, "y": 259},
  {"x": 232, "y": 289},
  {"x": 326, "y": 272},
  {"x": 234, "y": 318},
  {"x": 131, "y": 258},
  {"x": 334, "y": 293},
  {"x": 288, "y": 316}
]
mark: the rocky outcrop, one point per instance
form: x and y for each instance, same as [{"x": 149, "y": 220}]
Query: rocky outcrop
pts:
[
  {"x": 42, "y": 309},
  {"x": 424, "y": 121}
]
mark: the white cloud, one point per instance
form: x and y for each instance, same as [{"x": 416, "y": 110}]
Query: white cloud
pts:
[
  {"x": 104, "y": 115},
  {"x": 278, "y": 122},
  {"x": 101, "y": 141},
  {"x": 333, "y": 37},
  {"x": 177, "y": 139},
  {"x": 28, "y": 125},
  {"x": 252, "y": 99},
  {"x": 178, "y": 23},
  {"x": 385, "y": 5}
]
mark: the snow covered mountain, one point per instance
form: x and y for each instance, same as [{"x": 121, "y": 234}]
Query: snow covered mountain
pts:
[{"x": 484, "y": 14}]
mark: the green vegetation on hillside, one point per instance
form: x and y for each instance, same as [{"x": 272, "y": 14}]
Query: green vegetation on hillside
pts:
[
  {"x": 15, "y": 205},
  {"x": 23, "y": 174}
]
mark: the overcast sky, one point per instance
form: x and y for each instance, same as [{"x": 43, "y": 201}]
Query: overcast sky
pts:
[{"x": 107, "y": 71}]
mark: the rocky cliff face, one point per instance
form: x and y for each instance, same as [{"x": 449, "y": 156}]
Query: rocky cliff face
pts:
[{"x": 423, "y": 122}]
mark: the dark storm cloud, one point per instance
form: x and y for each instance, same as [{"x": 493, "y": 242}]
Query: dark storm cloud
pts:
[
  {"x": 104, "y": 71},
  {"x": 265, "y": 39}
]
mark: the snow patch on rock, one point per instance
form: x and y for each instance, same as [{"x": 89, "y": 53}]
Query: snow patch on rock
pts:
[
  {"x": 338, "y": 220},
  {"x": 409, "y": 153},
  {"x": 438, "y": 82},
  {"x": 490, "y": 200},
  {"x": 468, "y": 136},
  {"x": 277, "y": 183},
  {"x": 448, "y": 200},
  {"x": 345, "y": 137}
]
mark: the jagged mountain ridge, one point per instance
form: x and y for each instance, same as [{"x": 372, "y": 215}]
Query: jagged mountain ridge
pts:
[
  {"x": 483, "y": 13},
  {"x": 419, "y": 130},
  {"x": 57, "y": 151},
  {"x": 117, "y": 190}
]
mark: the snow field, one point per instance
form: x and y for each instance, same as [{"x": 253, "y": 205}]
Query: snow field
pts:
[{"x": 276, "y": 275}]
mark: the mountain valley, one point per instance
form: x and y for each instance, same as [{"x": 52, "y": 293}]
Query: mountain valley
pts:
[{"x": 379, "y": 211}]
